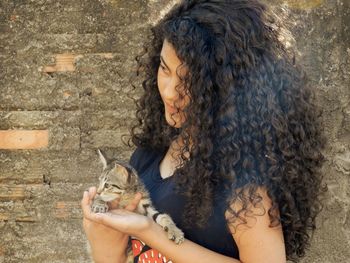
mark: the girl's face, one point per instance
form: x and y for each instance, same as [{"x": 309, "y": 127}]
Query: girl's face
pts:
[{"x": 168, "y": 79}]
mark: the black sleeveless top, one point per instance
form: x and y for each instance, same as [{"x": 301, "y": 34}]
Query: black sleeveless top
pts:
[{"x": 215, "y": 236}]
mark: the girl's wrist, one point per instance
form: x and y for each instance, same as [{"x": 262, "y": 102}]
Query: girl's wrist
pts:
[
  {"x": 147, "y": 232},
  {"x": 118, "y": 257}
]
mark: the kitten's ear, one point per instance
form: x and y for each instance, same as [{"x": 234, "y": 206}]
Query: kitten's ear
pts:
[
  {"x": 102, "y": 158},
  {"x": 122, "y": 170}
]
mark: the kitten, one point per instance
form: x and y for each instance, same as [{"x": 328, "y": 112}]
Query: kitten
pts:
[{"x": 120, "y": 180}]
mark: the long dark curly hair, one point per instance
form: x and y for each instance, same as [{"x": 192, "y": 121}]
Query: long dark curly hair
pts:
[{"x": 252, "y": 118}]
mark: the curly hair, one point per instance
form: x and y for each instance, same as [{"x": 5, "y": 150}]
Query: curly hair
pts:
[{"x": 252, "y": 116}]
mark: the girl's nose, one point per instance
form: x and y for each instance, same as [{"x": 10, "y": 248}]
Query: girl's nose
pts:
[{"x": 170, "y": 93}]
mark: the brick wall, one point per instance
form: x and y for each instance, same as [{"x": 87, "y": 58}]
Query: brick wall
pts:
[{"x": 64, "y": 68}]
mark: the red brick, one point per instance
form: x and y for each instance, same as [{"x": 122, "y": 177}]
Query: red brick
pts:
[
  {"x": 66, "y": 62},
  {"x": 18, "y": 217},
  {"x": 67, "y": 209},
  {"x": 12, "y": 192},
  {"x": 24, "y": 139}
]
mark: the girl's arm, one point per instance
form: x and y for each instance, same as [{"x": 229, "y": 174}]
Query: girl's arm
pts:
[
  {"x": 107, "y": 245},
  {"x": 257, "y": 243},
  {"x": 186, "y": 252},
  {"x": 154, "y": 236}
]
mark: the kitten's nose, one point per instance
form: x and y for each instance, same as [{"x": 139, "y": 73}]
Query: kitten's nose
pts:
[{"x": 99, "y": 190}]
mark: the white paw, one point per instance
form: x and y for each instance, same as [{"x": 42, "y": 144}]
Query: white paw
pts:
[
  {"x": 174, "y": 233},
  {"x": 99, "y": 208}
]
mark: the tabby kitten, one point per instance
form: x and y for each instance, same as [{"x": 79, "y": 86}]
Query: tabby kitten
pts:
[{"x": 120, "y": 180}]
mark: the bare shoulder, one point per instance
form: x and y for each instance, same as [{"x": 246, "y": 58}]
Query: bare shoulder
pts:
[{"x": 256, "y": 239}]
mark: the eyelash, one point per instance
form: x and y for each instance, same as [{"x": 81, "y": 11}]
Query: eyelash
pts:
[{"x": 162, "y": 67}]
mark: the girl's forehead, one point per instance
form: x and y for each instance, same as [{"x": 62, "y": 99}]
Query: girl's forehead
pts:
[{"x": 168, "y": 53}]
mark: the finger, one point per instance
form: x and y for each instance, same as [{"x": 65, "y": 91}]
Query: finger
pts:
[
  {"x": 116, "y": 219},
  {"x": 133, "y": 204},
  {"x": 86, "y": 207},
  {"x": 106, "y": 219},
  {"x": 85, "y": 204},
  {"x": 92, "y": 192}
]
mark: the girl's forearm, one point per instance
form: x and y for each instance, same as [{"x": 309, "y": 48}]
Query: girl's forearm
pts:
[
  {"x": 114, "y": 259},
  {"x": 187, "y": 252},
  {"x": 108, "y": 253}
]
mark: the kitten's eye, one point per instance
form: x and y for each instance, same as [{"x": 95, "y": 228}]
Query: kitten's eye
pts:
[
  {"x": 106, "y": 185},
  {"x": 116, "y": 186}
]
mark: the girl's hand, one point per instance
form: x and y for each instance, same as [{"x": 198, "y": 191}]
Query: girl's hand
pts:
[
  {"x": 107, "y": 244},
  {"x": 125, "y": 221}
]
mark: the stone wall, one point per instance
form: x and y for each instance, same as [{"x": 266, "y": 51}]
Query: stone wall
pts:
[
  {"x": 322, "y": 34},
  {"x": 64, "y": 68}
]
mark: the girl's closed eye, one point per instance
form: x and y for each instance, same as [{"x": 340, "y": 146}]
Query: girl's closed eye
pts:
[{"x": 163, "y": 67}]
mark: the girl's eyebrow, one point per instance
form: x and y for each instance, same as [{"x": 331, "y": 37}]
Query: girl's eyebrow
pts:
[{"x": 162, "y": 59}]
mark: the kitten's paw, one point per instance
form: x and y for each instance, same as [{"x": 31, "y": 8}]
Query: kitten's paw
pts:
[
  {"x": 174, "y": 233},
  {"x": 99, "y": 208}
]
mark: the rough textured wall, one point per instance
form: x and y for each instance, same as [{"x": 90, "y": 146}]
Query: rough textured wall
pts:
[
  {"x": 64, "y": 69},
  {"x": 322, "y": 34}
]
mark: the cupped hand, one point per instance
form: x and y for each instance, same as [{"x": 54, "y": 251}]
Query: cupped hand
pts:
[
  {"x": 88, "y": 197},
  {"x": 122, "y": 220},
  {"x": 105, "y": 240}
]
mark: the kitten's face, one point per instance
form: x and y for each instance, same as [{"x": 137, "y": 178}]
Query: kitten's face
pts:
[{"x": 113, "y": 181}]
